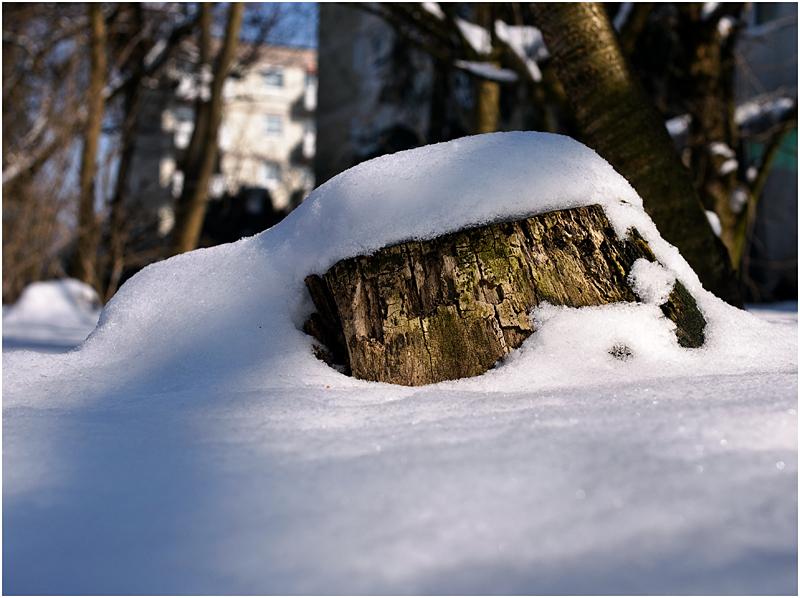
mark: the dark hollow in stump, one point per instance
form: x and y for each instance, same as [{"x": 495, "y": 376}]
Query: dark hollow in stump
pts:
[{"x": 424, "y": 312}]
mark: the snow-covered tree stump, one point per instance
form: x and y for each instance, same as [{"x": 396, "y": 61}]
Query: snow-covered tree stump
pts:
[{"x": 424, "y": 312}]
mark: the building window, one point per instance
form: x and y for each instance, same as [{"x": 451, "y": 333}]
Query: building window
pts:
[
  {"x": 225, "y": 137},
  {"x": 177, "y": 183},
  {"x": 273, "y": 78},
  {"x": 309, "y": 139},
  {"x": 184, "y": 113},
  {"x": 273, "y": 124},
  {"x": 310, "y": 94},
  {"x": 184, "y": 126},
  {"x": 270, "y": 174},
  {"x": 311, "y": 79}
]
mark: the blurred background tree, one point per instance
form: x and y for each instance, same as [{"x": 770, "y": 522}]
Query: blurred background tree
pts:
[
  {"x": 719, "y": 77},
  {"x": 86, "y": 91},
  {"x": 201, "y": 154}
]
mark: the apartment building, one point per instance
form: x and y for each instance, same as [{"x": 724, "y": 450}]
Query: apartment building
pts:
[{"x": 267, "y": 139}]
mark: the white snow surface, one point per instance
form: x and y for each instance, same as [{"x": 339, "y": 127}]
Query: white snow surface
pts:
[
  {"x": 526, "y": 42},
  {"x": 651, "y": 282},
  {"x": 720, "y": 148},
  {"x": 678, "y": 125},
  {"x": 193, "y": 444},
  {"x": 761, "y": 107},
  {"x": 487, "y": 70},
  {"x": 713, "y": 220},
  {"x": 727, "y": 167},
  {"x": 434, "y": 9},
  {"x": 477, "y": 37}
]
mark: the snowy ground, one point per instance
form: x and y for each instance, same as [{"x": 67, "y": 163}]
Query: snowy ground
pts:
[{"x": 194, "y": 445}]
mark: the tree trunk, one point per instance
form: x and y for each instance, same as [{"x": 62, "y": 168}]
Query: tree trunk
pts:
[
  {"x": 620, "y": 122},
  {"x": 85, "y": 264},
  {"x": 437, "y": 117},
  {"x": 202, "y": 151},
  {"x": 487, "y": 93},
  {"x": 487, "y": 106},
  {"x": 424, "y": 312},
  {"x": 120, "y": 202}
]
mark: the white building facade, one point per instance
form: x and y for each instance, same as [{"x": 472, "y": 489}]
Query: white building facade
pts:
[{"x": 267, "y": 137}]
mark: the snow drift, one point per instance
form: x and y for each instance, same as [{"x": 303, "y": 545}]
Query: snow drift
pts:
[
  {"x": 51, "y": 316},
  {"x": 193, "y": 444}
]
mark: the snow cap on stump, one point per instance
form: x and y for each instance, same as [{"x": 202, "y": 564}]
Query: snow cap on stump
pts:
[{"x": 472, "y": 235}]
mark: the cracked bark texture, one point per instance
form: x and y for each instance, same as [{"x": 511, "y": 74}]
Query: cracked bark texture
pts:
[{"x": 448, "y": 308}]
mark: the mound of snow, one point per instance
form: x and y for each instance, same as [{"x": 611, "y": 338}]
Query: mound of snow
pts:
[
  {"x": 51, "y": 316},
  {"x": 66, "y": 301},
  {"x": 193, "y": 444}
]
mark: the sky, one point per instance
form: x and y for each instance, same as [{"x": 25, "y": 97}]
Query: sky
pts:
[{"x": 297, "y": 24}]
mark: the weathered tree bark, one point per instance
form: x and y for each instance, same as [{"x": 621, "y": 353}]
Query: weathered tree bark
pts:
[
  {"x": 85, "y": 262},
  {"x": 620, "y": 122},
  {"x": 203, "y": 146},
  {"x": 423, "y": 312}
]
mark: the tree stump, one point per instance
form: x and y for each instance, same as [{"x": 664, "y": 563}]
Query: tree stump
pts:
[{"x": 424, "y": 312}]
